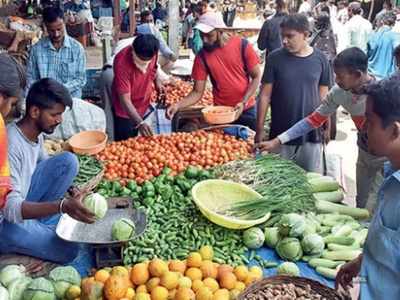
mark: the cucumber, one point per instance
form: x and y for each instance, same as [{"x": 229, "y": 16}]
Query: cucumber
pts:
[
  {"x": 335, "y": 196},
  {"x": 341, "y": 240},
  {"x": 323, "y": 262},
  {"x": 329, "y": 207},
  {"x": 312, "y": 175},
  {"x": 341, "y": 230},
  {"x": 346, "y": 255},
  {"x": 327, "y": 272},
  {"x": 323, "y": 184},
  {"x": 337, "y": 247}
]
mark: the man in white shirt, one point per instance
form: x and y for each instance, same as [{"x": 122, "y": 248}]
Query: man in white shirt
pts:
[
  {"x": 305, "y": 7},
  {"x": 357, "y": 29}
]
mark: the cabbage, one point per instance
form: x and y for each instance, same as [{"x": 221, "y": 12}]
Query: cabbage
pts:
[
  {"x": 63, "y": 278},
  {"x": 123, "y": 229},
  {"x": 272, "y": 236},
  {"x": 288, "y": 268},
  {"x": 289, "y": 249},
  {"x": 39, "y": 289},
  {"x": 17, "y": 287},
  {"x": 97, "y": 204},
  {"x": 313, "y": 244},
  {"x": 253, "y": 238},
  {"x": 3, "y": 293},
  {"x": 10, "y": 273},
  {"x": 292, "y": 225}
]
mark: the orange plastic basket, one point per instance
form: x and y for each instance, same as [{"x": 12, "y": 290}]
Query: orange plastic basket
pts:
[
  {"x": 219, "y": 114},
  {"x": 88, "y": 142}
]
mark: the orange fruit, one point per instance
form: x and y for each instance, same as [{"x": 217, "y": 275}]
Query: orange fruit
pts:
[
  {"x": 194, "y": 260},
  {"x": 211, "y": 283},
  {"x": 159, "y": 293},
  {"x": 157, "y": 267},
  {"x": 224, "y": 269},
  {"x": 241, "y": 273},
  {"x": 152, "y": 283},
  {"x": 177, "y": 266},
  {"x": 169, "y": 280},
  {"x": 101, "y": 276},
  {"x": 184, "y": 294},
  {"x": 228, "y": 281},
  {"x": 208, "y": 269},
  {"x": 197, "y": 284},
  {"x": 194, "y": 273},
  {"x": 140, "y": 274},
  {"x": 222, "y": 294}
]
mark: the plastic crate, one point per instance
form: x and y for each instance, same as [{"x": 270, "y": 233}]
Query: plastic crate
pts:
[{"x": 92, "y": 86}]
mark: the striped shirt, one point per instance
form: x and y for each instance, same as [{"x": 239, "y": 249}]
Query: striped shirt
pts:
[{"x": 66, "y": 65}]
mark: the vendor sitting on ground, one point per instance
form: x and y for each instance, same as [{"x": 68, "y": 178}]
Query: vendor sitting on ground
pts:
[
  {"x": 378, "y": 266},
  {"x": 233, "y": 67},
  {"x": 135, "y": 71},
  {"x": 167, "y": 57},
  {"x": 58, "y": 56},
  {"x": 39, "y": 183}
]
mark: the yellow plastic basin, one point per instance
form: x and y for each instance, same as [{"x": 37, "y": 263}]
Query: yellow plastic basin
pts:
[{"x": 212, "y": 195}]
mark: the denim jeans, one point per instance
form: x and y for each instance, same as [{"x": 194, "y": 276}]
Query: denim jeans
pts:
[
  {"x": 248, "y": 118},
  {"x": 50, "y": 181}
]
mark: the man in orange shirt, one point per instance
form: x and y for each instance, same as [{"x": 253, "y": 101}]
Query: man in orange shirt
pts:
[
  {"x": 12, "y": 80},
  {"x": 233, "y": 67}
]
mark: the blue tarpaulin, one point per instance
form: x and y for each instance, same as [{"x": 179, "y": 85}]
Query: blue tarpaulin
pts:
[{"x": 305, "y": 270}]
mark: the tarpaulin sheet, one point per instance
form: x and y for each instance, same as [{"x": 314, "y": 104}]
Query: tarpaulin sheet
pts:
[{"x": 305, "y": 269}]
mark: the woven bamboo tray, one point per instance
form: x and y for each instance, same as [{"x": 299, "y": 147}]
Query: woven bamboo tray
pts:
[
  {"x": 318, "y": 288},
  {"x": 92, "y": 183}
]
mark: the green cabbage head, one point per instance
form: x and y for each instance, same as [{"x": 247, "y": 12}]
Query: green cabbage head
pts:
[
  {"x": 3, "y": 293},
  {"x": 253, "y": 238},
  {"x": 313, "y": 244},
  {"x": 11, "y": 272},
  {"x": 288, "y": 268},
  {"x": 97, "y": 204},
  {"x": 289, "y": 249},
  {"x": 17, "y": 287},
  {"x": 123, "y": 229},
  {"x": 272, "y": 236},
  {"x": 292, "y": 225},
  {"x": 62, "y": 278},
  {"x": 39, "y": 289}
]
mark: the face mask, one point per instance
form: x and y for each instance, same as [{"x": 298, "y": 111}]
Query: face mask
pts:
[
  {"x": 210, "y": 47},
  {"x": 140, "y": 63}
]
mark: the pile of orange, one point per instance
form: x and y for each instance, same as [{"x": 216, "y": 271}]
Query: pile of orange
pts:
[{"x": 197, "y": 277}]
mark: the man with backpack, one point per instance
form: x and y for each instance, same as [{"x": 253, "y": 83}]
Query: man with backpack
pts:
[{"x": 233, "y": 67}]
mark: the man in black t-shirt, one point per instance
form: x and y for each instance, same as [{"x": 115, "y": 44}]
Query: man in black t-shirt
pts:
[{"x": 295, "y": 80}]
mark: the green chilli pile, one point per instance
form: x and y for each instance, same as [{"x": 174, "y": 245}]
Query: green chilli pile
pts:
[
  {"x": 175, "y": 225},
  {"x": 89, "y": 167}
]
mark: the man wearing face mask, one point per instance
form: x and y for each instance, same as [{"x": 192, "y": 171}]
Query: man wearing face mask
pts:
[
  {"x": 167, "y": 57},
  {"x": 233, "y": 67},
  {"x": 57, "y": 56},
  {"x": 135, "y": 71}
]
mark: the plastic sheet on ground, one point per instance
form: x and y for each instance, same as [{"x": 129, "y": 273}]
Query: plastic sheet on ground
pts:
[{"x": 305, "y": 269}]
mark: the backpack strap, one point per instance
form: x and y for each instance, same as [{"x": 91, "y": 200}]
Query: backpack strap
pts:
[
  {"x": 243, "y": 46},
  {"x": 203, "y": 58}
]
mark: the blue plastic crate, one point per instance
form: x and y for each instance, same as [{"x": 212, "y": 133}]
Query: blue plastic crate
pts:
[{"x": 92, "y": 87}]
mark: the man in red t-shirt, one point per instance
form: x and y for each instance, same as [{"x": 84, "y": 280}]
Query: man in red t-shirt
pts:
[
  {"x": 233, "y": 67},
  {"x": 135, "y": 70}
]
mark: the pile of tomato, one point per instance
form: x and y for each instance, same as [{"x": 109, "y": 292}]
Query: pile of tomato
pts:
[
  {"x": 175, "y": 92},
  {"x": 143, "y": 158}
]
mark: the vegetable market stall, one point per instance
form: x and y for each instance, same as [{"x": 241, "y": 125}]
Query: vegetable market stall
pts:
[{"x": 161, "y": 176}]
